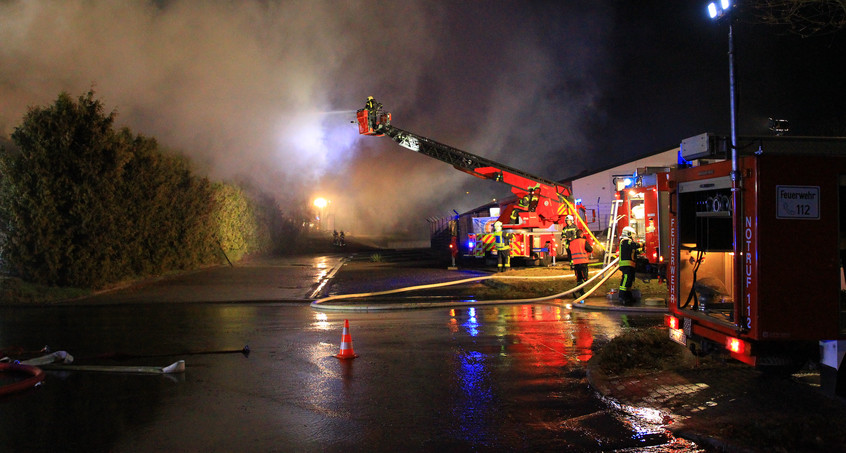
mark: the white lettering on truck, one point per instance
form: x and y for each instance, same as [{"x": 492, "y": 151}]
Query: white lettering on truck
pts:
[
  {"x": 749, "y": 266},
  {"x": 672, "y": 266}
]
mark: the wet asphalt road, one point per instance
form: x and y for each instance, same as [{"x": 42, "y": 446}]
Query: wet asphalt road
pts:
[{"x": 465, "y": 379}]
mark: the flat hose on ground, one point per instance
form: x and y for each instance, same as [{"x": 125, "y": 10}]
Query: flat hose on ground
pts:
[
  {"x": 35, "y": 376},
  {"x": 318, "y": 304}
]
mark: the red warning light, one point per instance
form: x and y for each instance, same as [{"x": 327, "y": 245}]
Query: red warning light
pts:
[
  {"x": 735, "y": 345},
  {"x": 671, "y": 321}
]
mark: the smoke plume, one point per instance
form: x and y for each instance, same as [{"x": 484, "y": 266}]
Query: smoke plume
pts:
[{"x": 266, "y": 90}]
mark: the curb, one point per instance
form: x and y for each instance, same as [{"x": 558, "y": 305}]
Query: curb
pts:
[
  {"x": 674, "y": 423},
  {"x": 624, "y": 308}
]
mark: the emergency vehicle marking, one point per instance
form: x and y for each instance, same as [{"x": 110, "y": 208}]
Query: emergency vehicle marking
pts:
[
  {"x": 410, "y": 143},
  {"x": 749, "y": 265},
  {"x": 672, "y": 268},
  {"x": 798, "y": 202}
]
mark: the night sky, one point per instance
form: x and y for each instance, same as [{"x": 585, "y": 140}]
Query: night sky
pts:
[{"x": 266, "y": 90}]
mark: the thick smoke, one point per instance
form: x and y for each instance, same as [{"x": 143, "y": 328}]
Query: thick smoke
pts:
[{"x": 266, "y": 90}]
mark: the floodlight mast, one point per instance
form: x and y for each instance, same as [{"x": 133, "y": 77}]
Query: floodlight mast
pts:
[{"x": 717, "y": 12}]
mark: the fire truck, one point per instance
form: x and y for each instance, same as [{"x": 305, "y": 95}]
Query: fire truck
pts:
[
  {"x": 545, "y": 203},
  {"x": 642, "y": 202},
  {"x": 756, "y": 250}
]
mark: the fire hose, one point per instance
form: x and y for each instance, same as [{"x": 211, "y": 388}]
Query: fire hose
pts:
[
  {"x": 35, "y": 377},
  {"x": 320, "y": 304}
]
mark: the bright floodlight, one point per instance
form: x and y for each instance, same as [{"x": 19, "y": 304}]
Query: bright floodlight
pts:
[
  {"x": 715, "y": 11},
  {"x": 320, "y": 203}
]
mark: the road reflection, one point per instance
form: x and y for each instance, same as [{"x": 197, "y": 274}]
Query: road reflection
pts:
[{"x": 472, "y": 378}]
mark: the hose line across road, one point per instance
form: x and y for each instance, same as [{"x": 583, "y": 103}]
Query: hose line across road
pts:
[{"x": 321, "y": 304}]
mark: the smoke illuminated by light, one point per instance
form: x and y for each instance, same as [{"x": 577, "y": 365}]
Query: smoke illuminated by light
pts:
[{"x": 265, "y": 90}]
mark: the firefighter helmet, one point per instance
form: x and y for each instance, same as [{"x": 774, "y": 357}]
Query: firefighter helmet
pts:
[
  {"x": 498, "y": 226},
  {"x": 570, "y": 218},
  {"x": 628, "y": 232}
]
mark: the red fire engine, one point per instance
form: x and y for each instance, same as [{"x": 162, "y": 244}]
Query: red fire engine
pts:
[
  {"x": 642, "y": 202},
  {"x": 756, "y": 264},
  {"x": 546, "y": 203}
]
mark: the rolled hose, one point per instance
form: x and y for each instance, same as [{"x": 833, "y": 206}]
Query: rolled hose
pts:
[
  {"x": 318, "y": 304},
  {"x": 36, "y": 376}
]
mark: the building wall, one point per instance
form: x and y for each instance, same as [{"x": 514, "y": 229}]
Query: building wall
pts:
[{"x": 597, "y": 190}]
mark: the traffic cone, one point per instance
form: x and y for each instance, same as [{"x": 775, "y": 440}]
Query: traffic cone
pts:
[{"x": 346, "y": 343}]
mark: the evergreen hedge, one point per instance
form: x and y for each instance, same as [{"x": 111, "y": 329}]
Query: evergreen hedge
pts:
[{"x": 85, "y": 205}]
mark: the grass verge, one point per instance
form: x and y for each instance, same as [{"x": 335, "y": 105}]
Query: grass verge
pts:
[
  {"x": 15, "y": 290},
  {"x": 524, "y": 289}
]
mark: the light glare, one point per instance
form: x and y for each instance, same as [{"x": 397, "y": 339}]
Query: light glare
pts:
[{"x": 715, "y": 11}]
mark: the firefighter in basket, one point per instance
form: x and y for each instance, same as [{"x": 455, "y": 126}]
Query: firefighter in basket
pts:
[
  {"x": 503, "y": 247},
  {"x": 629, "y": 249}
]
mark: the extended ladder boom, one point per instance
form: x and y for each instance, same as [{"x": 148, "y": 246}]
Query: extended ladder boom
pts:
[
  {"x": 470, "y": 163},
  {"x": 550, "y": 202}
]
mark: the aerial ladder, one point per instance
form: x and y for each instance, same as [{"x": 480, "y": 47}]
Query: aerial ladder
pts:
[{"x": 549, "y": 202}]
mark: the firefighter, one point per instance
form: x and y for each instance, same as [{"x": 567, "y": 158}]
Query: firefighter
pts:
[
  {"x": 580, "y": 251},
  {"x": 533, "y": 199},
  {"x": 370, "y": 104},
  {"x": 521, "y": 206},
  {"x": 568, "y": 233},
  {"x": 503, "y": 248},
  {"x": 629, "y": 249}
]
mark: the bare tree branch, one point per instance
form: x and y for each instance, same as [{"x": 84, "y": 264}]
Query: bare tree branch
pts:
[{"x": 802, "y": 17}]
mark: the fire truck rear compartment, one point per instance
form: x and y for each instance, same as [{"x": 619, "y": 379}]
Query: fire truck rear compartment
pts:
[
  {"x": 782, "y": 299},
  {"x": 706, "y": 263}
]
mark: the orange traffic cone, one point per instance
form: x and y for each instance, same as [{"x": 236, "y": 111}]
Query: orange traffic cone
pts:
[{"x": 346, "y": 343}]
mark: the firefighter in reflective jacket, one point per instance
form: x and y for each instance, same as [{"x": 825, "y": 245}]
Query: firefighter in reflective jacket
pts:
[
  {"x": 370, "y": 104},
  {"x": 373, "y": 108},
  {"x": 568, "y": 233},
  {"x": 580, "y": 252},
  {"x": 521, "y": 206},
  {"x": 503, "y": 247},
  {"x": 629, "y": 249},
  {"x": 533, "y": 198}
]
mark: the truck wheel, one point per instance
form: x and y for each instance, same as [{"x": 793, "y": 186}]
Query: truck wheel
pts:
[
  {"x": 533, "y": 260},
  {"x": 700, "y": 348}
]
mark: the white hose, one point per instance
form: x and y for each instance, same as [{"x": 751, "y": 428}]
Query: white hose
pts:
[{"x": 612, "y": 266}]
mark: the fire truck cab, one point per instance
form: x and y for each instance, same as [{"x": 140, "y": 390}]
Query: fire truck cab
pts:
[{"x": 756, "y": 265}]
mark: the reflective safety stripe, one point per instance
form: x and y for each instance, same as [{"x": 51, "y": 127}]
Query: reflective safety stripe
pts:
[
  {"x": 578, "y": 254},
  {"x": 484, "y": 243},
  {"x": 628, "y": 252},
  {"x": 517, "y": 249},
  {"x": 501, "y": 242},
  {"x": 625, "y": 284}
]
